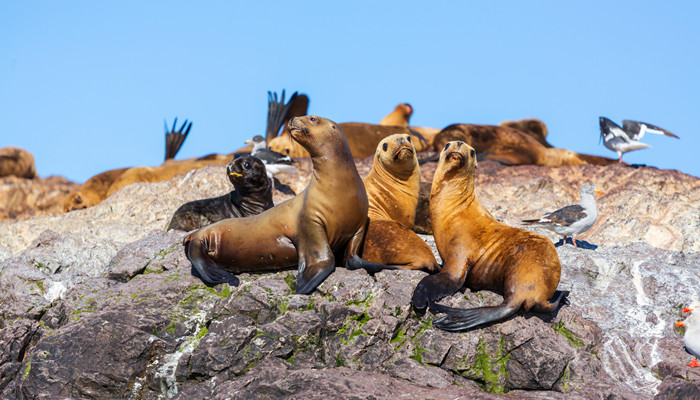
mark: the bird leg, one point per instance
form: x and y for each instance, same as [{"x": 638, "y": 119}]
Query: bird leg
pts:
[{"x": 693, "y": 363}]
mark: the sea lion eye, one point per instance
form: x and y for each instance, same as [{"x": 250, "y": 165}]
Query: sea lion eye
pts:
[
  {"x": 313, "y": 119},
  {"x": 446, "y": 146},
  {"x": 246, "y": 165},
  {"x": 472, "y": 153},
  {"x": 286, "y": 151},
  {"x": 385, "y": 146},
  {"x": 408, "y": 138}
]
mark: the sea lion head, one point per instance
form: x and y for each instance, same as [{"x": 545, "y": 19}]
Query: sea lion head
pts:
[
  {"x": 319, "y": 136},
  {"x": 77, "y": 201},
  {"x": 397, "y": 154},
  {"x": 458, "y": 156},
  {"x": 247, "y": 172}
]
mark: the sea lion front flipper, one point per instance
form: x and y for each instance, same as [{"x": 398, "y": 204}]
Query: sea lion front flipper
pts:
[
  {"x": 174, "y": 140},
  {"x": 433, "y": 288},
  {"x": 203, "y": 267},
  {"x": 458, "y": 320},
  {"x": 352, "y": 258},
  {"x": 316, "y": 259}
]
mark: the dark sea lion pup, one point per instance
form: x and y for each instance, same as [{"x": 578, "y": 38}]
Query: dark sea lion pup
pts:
[
  {"x": 481, "y": 252},
  {"x": 392, "y": 188},
  {"x": 328, "y": 218},
  {"x": 252, "y": 195}
]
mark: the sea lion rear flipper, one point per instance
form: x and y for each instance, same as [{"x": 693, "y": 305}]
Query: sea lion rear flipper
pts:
[
  {"x": 276, "y": 113},
  {"x": 174, "y": 140},
  {"x": 203, "y": 267},
  {"x": 457, "y": 319}
]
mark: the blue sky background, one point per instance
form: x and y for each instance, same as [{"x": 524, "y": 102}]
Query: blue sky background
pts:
[{"x": 85, "y": 86}]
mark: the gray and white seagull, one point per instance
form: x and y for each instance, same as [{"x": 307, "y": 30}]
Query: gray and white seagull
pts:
[
  {"x": 627, "y": 138},
  {"x": 571, "y": 220}
]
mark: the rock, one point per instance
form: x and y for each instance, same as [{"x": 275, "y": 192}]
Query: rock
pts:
[
  {"x": 21, "y": 198},
  {"x": 100, "y": 303}
]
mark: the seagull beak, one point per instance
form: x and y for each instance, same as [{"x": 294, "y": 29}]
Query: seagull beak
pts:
[
  {"x": 679, "y": 324},
  {"x": 249, "y": 141},
  {"x": 600, "y": 192},
  {"x": 687, "y": 309}
]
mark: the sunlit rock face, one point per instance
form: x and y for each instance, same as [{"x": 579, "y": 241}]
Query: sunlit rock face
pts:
[{"x": 100, "y": 303}]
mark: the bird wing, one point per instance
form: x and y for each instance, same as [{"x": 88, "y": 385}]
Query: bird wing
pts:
[
  {"x": 268, "y": 156},
  {"x": 565, "y": 216},
  {"x": 636, "y": 129},
  {"x": 610, "y": 130}
]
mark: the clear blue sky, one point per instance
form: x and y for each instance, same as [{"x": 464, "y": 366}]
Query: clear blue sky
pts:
[{"x": 85, "y": 86}]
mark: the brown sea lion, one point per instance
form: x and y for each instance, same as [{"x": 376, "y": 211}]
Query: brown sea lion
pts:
[
  {"x": 93, "y": 191},
  {"x": 362, "y": 139},
  {"x": 392, "y": 189},
  {"x": 252, "y": 195},
  {"x": 481, "y": 252},
  {"x": 532, "y": 126},
  {"x": 17, "y": 162},
  {"x": 511, "y": 146},
  {"x": 399, "y": 117},
  {"x": 328, "y": 218}
]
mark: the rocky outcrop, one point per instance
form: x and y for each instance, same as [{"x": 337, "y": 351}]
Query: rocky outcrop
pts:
[
  {"x": 21, "y": 198},
  {"x": 100, "y": 303}
]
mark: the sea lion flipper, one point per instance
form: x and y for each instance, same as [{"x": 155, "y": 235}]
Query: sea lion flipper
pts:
[
  {"x": 459, "y": 320},
  {"x": 311, "y": 275},
  {"x": 352, "y": 258},
  {"x": 203, "y": 267},
  {"x": 433, "y": 288},
  {"x": 316, "y": 259}
]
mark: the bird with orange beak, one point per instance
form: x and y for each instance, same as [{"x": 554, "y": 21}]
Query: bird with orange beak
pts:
[{"x": 692, "y": 333}]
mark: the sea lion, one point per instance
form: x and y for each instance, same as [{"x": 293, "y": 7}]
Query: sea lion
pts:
[
  {"x": 328, "y": 218},
  {"x": 511, "y": 146},
  {"x": 17, "y": 162},
  {"x": 362, "y": 139},
  {"x": 93, "y": 191},
  {"x": 392, "y": 189},
  {"x": 399, "y": 117},
  {"x": 532, "y": 126},
  {"x": 481, "y": 252},
  {"x": 252, "y": 195}
]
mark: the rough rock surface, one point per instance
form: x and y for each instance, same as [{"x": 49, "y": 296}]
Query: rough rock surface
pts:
[
  {"x": 100, "y": 303},
  {"x": 22, "y": 198}
]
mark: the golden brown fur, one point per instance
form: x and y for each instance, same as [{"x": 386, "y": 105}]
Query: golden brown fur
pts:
[
  {"x": 532, "y": 126},
  {"x": 399, "y": 117},
  {"x": 482, "y": 253},
  {"x": 511, "y": 146},
  {"x": 93, "y": 191},
  {"x": 307, "y": 231},
  {"x": 17, "y": 162},
  {"x": 392, "y": 189}
]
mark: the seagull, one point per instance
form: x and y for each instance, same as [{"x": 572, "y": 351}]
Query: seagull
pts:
[
  {"x": 622, "y": 140},
  {"x": 274, "y": 162},
  {"x": 571, "y": 220},
  {"x": 692, "y": 334}
]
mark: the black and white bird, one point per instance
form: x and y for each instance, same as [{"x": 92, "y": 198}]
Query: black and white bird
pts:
[
  {"x": 691, "y": 339},
  {"x": 571, "y": 220},
  {"x": 274, "y": 162},
  {"x": 627, "y": 138}
]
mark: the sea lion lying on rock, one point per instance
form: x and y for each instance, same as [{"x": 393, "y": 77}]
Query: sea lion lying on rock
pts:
[
  {"x": 252, "y": 195},
  {"x": 17, "y": 162},
  {"x": 481, "y": 252},
  {"x": 93, "y": 191},
  {"x": 328, "y": 219}
]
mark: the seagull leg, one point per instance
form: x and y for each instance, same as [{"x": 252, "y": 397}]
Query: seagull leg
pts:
[
  {"x": 565, "y": 237},
  {"x": 693, "y": 363},
  {"x": 573, "y": 239},
  {"x": 619, "y": 160}
]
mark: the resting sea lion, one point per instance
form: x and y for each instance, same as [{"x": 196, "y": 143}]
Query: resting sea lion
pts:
[
  {"x": 362, "y": 139},
  {"x": 17, "y": 162},
  {"x": 328, "y": 218},
  {"x": 532, "y": 126},
  {"x": 478, "y": 250},
  {"x": 252, "y": 195},
  {"x": 511, "y": 146},
  {"x": 398, "y": 117},
  {"x": 392, "y": 188},
  {"x": 93, "y": 191}
]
